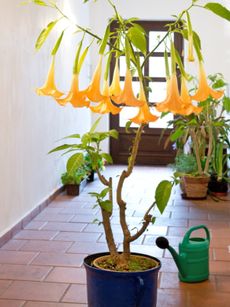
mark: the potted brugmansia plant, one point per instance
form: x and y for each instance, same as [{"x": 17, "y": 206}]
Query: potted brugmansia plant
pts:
[
  {"x": 122, "y": 278},
  {"x": 206, "y": 133}
]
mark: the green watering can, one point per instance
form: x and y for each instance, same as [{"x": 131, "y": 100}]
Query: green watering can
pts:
[{"x": 193, "y": 258}]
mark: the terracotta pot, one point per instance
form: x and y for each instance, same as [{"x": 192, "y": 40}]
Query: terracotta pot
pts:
[{"x": 195, "y": 187}]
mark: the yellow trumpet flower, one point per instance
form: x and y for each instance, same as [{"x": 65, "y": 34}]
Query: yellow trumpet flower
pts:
[
  {"x": 204, "y": 91},
  {"x": 49, "y": 88},
  {"x": 115, "y": 88},
  {"x": 93, "y": 92},
  {"x": 144, "y": 115},
  {"x": 127, "y": 96},
  {"x": 77, "y": 98},
  {"x": 105, "y": 106},
  {"x": 173, "y": 102},
  {"x": 187, "y": 100}
]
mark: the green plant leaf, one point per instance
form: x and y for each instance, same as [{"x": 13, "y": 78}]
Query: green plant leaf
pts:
[
  {"x": 74, "y": 162},
  {"x": 106, "y": 205},
  {"x": 104, "y": 192},
  {"x": 44, "y": 34},
  {"x": 177, "y": 134},
  {"x": 226, "y": 103},
  {"x": 40, "y": 2},
  {"x": 95, "y": 124},
  {"x": 62, "y": 147},
  {"x": 127, "y": 126},
  {"x": 138, "y": 39},
  {"x": 162, "y": 194},
  {"x": 58, "y": 43},
  {"x": 218, "y": 9},
  {"x": 105, "y": 40},
  {"x": 107, "y": 157},
  {"x": 113, "y": 133},
  {"x": 74, "y": 136}
]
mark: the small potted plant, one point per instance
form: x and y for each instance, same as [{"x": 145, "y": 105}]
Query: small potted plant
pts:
[
  {"x": 91, "y": 169},
  {"x": 75, "y": 182}
]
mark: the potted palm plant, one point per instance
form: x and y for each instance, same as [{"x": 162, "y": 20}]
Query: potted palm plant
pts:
[{"x": 122, "y": 278}]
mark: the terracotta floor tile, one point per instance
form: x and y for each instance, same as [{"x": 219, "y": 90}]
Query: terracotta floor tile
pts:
[
  {"x": 46, "y": 246},
  {"x": 221, "y": 254},
  {"x": 76, "y": 294},
  {"x": 64, "y": 226},
  {"x": 85, "y": 218},
  {"x": 78, "y": 236},
  {"x": 166, "y": 298},
  {"x": 207, "y": 299},
  {"x": 16, "y": 257},
  {"x": 177, "y": 231},
  {"x": 13, "y": 245},
  {"x": 171, "y": 222},
  {"x": 87, "y": 247},
  {"x": 36, "y": 291},
  {"x": 219, "y": 267},
  {"x": 223, "y": 283},
  {"x": 59, "y": 259},
  {"x": 35, "y": 225},
  {"x": 23, "y": 272},
  {"x": 11, "y": 303},
  {"x": 67, "y": 275},
  {"x": 36, "y": 234},
  {"x": 147, "y": 249},
  {"x": 4, "y": 284},
  {"x": 119, "y": 238},
  {"x": 49, "y": 217},
  {"x": 78, "y": 210}
]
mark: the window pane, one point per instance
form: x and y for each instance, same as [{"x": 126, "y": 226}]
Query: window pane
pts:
[
  {"x": 161, "y": 122},
  {"x": 155, "y": 37},
  {"x": 157, "y": 66},
  {"x": 125, "y": 115},
  {"x": 158, "y": 93},
  {"x": 123, "y": 66}
]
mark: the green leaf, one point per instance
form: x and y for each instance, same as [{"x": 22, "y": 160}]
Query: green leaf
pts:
[
  {"x": 82, "y": 58},
  {"x": 44, "y": 34},
  {"x": 62, "y": 147},
  {"x": 95, "y": 124},
  {"x": 40, "y": 2},
  {"x": 57, "y": 45},
  {"x": 127, "y": 126},
  {"x": 107, "y": 157},
  {"x": 105, "y": 40},
  {"x": 226, "y": 103},
  {"x": 106, "y": 205},
  {"x": 177, "y": 134},
  {"x": 75, "y": 136},
  {"x": 113, "y": 133},
  {"x": 104, "y": 192},
  {"x": 153, "y": 219},
  {"x": 138, "y": 39},
  {"x": 74, "y": 162},
  {"x": 218, "y": 9},
  {"x": 162, "y": 194},
  {"x": 94, "y": 194}
]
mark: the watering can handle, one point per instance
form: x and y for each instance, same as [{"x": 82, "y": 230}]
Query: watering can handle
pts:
[{"x": 188, "y": 233}]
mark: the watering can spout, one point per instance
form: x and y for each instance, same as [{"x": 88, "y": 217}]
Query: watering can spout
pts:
[{"x": 163, "y": 243}]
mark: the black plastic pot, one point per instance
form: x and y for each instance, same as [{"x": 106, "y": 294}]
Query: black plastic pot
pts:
[
  {"x": 75, "y": 189},
  {"x": 120, "y": 289},
  {"x": 218, "y": 187}
]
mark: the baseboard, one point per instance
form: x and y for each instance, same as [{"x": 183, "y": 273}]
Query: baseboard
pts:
[{"x": 20, "y": 225}]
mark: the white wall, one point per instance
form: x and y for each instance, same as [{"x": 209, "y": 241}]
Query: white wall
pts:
[
  {"x": 214, "y": 31},
  {"x": 30, "y": 125}
]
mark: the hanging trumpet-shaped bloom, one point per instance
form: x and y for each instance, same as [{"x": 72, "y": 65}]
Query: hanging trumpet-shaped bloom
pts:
[
  {"x": 77, "y": 98},
  {"x": 187, "y": 100},
  {"x": 204, "y": 91},
  {"x": 49, "y": 88},
  {"x": 105, "y": 105},
  {"x": 144, "y": 115},
  {"x": 115, "y": 88},
  {"x": 93, "y": 92},
  {"x": 173, "y": 102},
  {"x": 127, "y": 96}
]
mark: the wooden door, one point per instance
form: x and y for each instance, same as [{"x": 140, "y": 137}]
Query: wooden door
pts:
[{"x": 152, "y": 149}]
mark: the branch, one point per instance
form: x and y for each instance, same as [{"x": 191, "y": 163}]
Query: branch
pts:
[{"x": 196, "y": 150}]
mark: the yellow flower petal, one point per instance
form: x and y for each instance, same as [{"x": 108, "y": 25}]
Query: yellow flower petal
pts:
[
  {"x": 93, "y": 92},
  {"x": 77, "y": 98},
  {"x": 127, "y": 96},
  {"x": 204, "y": 91},
  {"x": 115, "y": 88},
  {"x": 49, "y": 88}
]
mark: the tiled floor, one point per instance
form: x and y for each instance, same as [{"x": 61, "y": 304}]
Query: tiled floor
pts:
[{"x": 42, "y": 265}]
